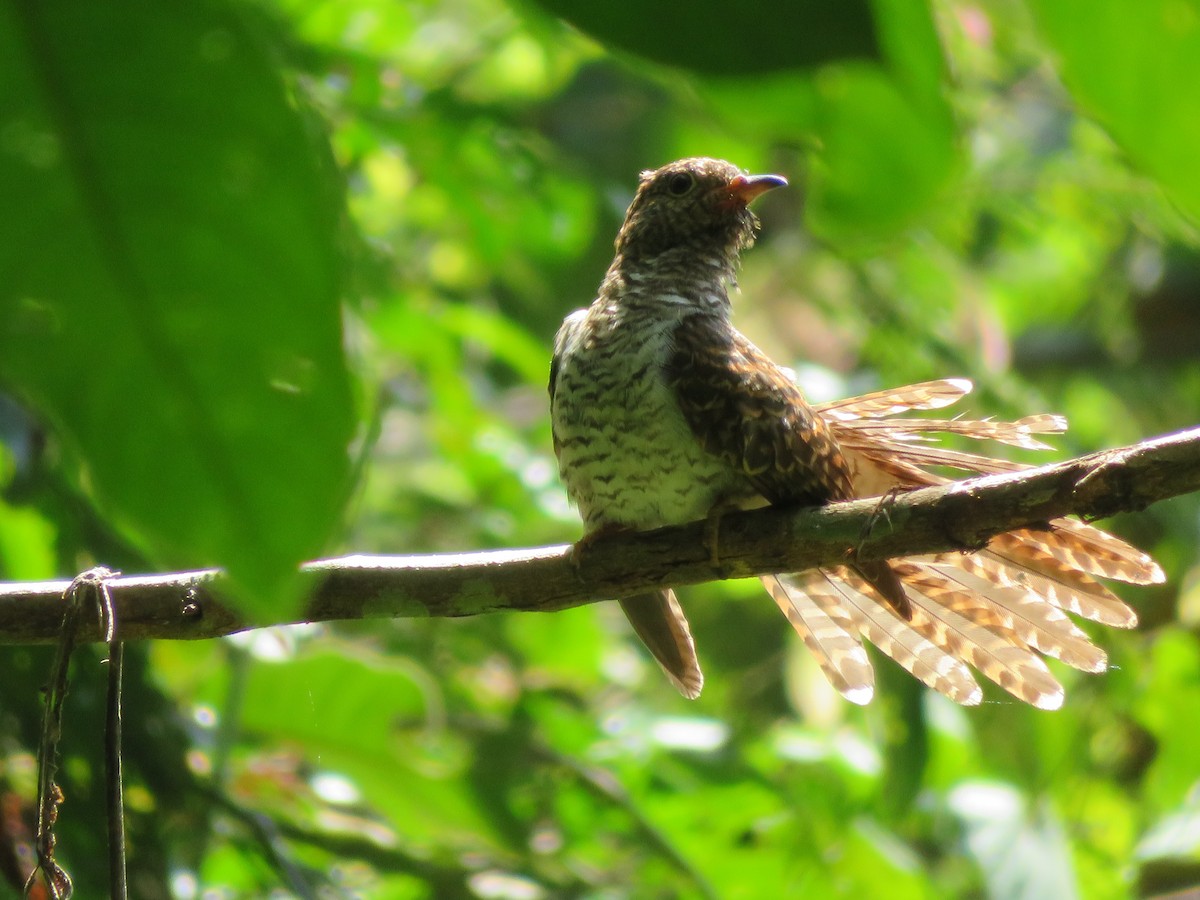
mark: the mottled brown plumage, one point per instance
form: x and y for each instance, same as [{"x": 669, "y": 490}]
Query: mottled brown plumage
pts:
[{"x": 664, "y": 413}]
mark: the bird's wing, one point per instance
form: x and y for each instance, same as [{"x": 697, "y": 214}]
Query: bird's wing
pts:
[
  {"x": 747, "y": 410},
  {"x": 877, "y": 404},
  {"x": 996, "y": 607},
  {"x": 569, "y": 333}
]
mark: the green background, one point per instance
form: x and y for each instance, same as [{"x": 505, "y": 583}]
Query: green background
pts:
[{"x": 280, "y": 279}]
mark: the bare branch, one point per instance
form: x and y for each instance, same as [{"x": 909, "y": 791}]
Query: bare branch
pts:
[{"x": 958, "y": 516}]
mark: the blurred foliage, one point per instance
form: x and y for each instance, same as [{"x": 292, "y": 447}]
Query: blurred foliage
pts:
[
  {"x": 188, "y": 195},
  {"x": 167, "y": 208}
]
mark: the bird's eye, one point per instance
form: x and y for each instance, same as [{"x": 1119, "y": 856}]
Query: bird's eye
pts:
[{"x": 680, "y": 183}]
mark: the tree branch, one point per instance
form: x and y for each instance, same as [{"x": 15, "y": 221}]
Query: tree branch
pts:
[{"x": 958, "y": 516}]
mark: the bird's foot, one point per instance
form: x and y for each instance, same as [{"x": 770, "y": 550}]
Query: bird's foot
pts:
[
  {"x": 580, "y": 547},
  {"x": 712, "y": 530},
  {"x": 881, "y": 512},
  {"x": 878, "y": 573}
]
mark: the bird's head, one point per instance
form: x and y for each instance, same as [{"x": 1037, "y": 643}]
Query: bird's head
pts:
[{"x": 696, "y": 206}]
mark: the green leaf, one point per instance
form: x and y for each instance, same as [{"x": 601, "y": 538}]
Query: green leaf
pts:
[
  {"x": 1171, "y": 696},
  {"x": 884, "y": 142},
  {"x": 377, "y": 721},
  {"x": 169, "y": 299},
  {"x": 26, "y": 542},
  {"x": 889, "y": 141},
  {"x": 1135, "y": 67},
  {"x": 884, "y": 158},
  {"x": 719, "y": 39}
]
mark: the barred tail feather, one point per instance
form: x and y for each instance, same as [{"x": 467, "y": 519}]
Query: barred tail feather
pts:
[
  {"x": 659, "y": 621},
  {"x": 828, "y": 633},
  {"x": 965, "y": 627},
  {"x": 1040, "y": 625},
  {"x": 889, "y": 402},
  {"x": 995, "y": 610},
  {"x": 1059, "y": 585},
  {"x": 1097, "y": 552},
  {"x": 889, "y": 632}
]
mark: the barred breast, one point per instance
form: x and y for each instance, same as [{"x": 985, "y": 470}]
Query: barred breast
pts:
[{"x": 625, "y": 452}]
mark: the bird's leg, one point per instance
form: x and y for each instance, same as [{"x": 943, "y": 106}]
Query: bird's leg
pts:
[
  {"x": 881, "y": 512},
  {"x": 579, "y": 548},
  {"x": 878, "y": 573},
  {"x": 712, "y": 529}
]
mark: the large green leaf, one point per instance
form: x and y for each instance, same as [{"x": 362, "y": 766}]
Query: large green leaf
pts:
[
  {"x": 170, "y": 280},
  {"x": 889, "y": 141},
  {"x": 1136, "y": 68},
  {"x": 723, "y": 39}
]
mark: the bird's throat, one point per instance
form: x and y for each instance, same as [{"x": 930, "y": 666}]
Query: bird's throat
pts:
[{"x": 673, "y": 280}]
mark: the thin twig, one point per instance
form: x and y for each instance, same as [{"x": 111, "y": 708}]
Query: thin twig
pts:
[
  {"x": 266, "y": 832},
  {"x": 608, "y": 789}
]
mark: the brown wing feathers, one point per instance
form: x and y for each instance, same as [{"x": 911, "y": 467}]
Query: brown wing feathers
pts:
[
  {"x": 746, "y": 410},
  {"x": 998, "y": 610}
]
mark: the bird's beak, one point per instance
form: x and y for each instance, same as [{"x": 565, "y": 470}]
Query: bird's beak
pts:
[{"x": 744, "y": 188}]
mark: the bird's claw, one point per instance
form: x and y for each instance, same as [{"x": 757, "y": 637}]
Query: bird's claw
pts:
[
  {"x": 881, "y": 511},
  {"x": 712, "y": 531},
  {"x": 580, "y": 547}
]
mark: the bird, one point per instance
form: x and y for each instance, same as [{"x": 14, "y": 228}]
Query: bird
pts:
[{"x": 663, "y": 413}]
